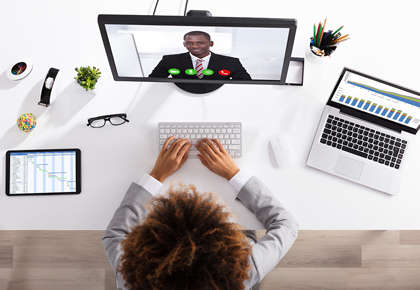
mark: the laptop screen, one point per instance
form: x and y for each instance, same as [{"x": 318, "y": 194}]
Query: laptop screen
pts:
[{"x": 378, "y": 98}]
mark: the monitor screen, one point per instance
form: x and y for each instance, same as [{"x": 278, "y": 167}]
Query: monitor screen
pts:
[
  {"x": 198, "y": 49},
  {"x": 378, "y": 98}
]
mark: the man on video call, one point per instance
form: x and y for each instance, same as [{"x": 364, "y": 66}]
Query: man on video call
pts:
[{"x": 207, "y": 64}]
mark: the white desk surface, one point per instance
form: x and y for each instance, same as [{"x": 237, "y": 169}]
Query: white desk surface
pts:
[{"x": 65, "y": 35}]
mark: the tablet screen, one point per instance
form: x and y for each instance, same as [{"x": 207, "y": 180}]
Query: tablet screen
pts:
[{"x": 43, "y": 172}]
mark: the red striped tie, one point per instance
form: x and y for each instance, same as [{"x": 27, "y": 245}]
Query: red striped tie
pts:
[{"x": 199, "y": 68}]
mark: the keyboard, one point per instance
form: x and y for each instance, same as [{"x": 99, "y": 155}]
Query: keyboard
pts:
[
  {"x": 228, "y": 133},
  {"x": 364, "y": 142}
]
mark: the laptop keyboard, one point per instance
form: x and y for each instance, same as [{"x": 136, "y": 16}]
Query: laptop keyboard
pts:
[{"x": 364, "y": 142}]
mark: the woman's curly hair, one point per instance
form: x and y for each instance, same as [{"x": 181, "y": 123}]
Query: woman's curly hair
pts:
[{"x": 186, "y": 242}]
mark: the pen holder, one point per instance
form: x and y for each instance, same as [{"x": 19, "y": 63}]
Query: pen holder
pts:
[
  {"x": 324, "y": 53},
  {"x": 312, "y": 57}
]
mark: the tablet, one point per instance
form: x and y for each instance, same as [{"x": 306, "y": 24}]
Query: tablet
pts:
[{"x": 43, "y": 172}]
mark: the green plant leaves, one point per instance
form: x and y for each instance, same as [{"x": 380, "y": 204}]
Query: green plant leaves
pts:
[{"x": 87, "y": 77}]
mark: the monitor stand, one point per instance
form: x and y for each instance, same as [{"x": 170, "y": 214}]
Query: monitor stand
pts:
[{"x": 198, "y": 88}]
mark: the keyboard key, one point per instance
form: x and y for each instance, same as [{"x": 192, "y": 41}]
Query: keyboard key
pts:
[{"x": 356, "y": 152}]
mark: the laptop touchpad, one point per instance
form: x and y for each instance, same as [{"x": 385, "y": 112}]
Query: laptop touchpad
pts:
[{"x": 349, "y": 167}]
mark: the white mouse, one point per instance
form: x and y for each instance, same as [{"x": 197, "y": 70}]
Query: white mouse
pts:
[{"x": 281, "y": 150}]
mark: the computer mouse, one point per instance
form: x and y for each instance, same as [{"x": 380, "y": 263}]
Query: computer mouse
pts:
[{"x": 281, "y": 150}]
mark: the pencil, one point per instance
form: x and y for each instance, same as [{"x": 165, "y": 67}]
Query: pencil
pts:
[
  {"x": 317, "y": 34},
  {"x": 343, "y": 40},
  {"x": 326, "y": 35},
  {"x": 338, "y": 39},
  {"x": 332, "y": 34},
  {"x": 322, "y": 32},
  {"x": 342, "y": 37},
  {"x": 314, "y": 32}
]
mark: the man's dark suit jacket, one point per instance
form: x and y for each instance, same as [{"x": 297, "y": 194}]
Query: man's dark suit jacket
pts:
[{"x": 217, "y": 62}]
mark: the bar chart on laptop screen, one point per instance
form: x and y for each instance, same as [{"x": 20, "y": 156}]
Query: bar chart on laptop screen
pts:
[
  {"x": 43, "y": 172},
  {"x": 379, "y": 99}
]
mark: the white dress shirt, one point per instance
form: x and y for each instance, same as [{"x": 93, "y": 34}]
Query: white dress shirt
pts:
[
  {"x": 153, "y": 186},
  {"x": 205, "y": 60}
]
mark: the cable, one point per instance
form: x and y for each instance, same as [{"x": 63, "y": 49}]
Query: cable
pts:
[
  {"x": 157, "y": 2},
  {"x": 185, "y": 11}
]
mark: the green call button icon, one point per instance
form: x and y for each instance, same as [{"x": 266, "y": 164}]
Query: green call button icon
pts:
[
  {"x": 174, "y": 71},
  {"x": 208, "y": 72},
  {"x": 190, "y": 71}
]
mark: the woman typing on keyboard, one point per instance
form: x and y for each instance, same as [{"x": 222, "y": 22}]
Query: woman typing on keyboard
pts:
[{"x": 185, "y": 239}]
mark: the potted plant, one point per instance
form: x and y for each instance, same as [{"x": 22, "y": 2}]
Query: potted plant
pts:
[{"x": 87, "y": 77}]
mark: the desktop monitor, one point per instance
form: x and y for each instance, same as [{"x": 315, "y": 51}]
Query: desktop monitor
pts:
[{"x": 162, "y": 48}]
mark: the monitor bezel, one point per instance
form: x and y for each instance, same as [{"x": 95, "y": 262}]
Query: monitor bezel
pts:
[
  {"x": 291, "y": 24},
  {"x": 366, "y": 116}
]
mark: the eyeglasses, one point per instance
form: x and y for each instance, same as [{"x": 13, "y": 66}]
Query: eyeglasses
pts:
[{"x": 99, "y": 122}]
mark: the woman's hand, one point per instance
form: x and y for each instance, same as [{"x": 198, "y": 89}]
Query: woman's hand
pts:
[
  {"x": 216, "y": 159},
  {"x": 170, "y": 158}
]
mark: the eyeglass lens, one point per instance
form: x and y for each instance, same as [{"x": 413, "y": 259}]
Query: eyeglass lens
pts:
[
  {"x": 97, "y": 123},
  {"x": 116, "y": 120}
]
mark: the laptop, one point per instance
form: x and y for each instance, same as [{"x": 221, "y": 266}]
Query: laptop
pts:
[{"x": 365, "y": 131}]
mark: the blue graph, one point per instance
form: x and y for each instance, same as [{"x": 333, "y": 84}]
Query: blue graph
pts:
[{"x": 407, "y": 99}]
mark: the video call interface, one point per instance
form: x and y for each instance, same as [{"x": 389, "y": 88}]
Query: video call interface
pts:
[
  {"x": 378, "y": 99},
  {"x": 139, "y": 49}
]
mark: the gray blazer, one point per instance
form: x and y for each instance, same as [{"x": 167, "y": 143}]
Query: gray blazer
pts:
[{"x": 282, "y": 229}]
